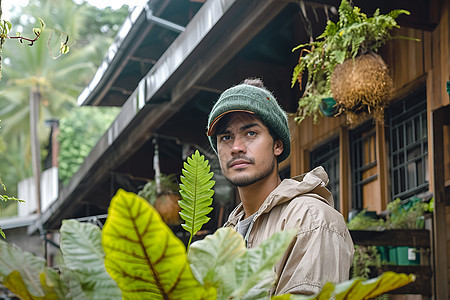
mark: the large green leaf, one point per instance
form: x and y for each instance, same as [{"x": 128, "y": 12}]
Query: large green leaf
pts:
[
  {"x": 196, "y": 191},
  {"x": 84, "y": 260},
  {"x": 213, "y": 251},
  {"x": 221, "y": 260},
  {"x": 143, "y": 255},
  {"x": 357, "y": 288},
  {"x": 27, "y": 275},
  {"x": 253, "y": 273}
]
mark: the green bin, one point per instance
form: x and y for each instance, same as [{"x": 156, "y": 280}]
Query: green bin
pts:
[{"x": 407, "y": 256}]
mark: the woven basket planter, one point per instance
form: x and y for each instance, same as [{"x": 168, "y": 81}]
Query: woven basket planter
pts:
[
  {"x": 362, "y": 86},
  {"x": 167, "y": 206}
]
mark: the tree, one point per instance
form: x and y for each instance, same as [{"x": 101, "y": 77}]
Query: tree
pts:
[{"x": 57, "y": 81}]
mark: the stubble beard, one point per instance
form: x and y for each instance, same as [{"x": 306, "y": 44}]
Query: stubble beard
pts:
[{"x": 243, "y": 181}]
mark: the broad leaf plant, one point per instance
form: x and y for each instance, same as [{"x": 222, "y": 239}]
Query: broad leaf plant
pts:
[{"x": 137, "y": 256}]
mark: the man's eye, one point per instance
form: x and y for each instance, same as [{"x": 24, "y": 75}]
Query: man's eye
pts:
[
  {"x": 225, "y": 137},
  {"x": 251, "y": 133}
]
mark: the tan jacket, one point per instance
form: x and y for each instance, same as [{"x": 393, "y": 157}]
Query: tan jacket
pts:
[{"x": 322, "y": 250}]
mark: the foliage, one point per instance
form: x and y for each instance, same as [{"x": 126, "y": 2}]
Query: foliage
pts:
[
  {"x": 364, "y": 222},
  {"x": 6, "y": 198},
  {"x": 222, "y": 261},
  {"x": 147, "y": 260},
  {"x": 168, "y": 184},
  {"x": 84, "y": 269},
  {"x": 364, "y": 258},
  {"x": 196, "y": 191},
  {"x": 60, "y": 80},
  {"x": 82, "y": 277},
  {"x": 163, "y": 195},
  {"x": 143, "y": 255},
  {"x": 309, "y": 103},
  {"x": 79, "y": 133},
  {"x": 5, "y": 27},
  {"x": 353, "y": 34},
  {"x": 403, "y": 217},
  {"x": 357, "y": 288}
]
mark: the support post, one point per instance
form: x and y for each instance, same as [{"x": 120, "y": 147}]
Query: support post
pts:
[{"x": 35, "y": 146}]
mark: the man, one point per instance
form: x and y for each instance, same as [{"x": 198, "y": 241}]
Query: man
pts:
[{"x": 250, "y": 133}]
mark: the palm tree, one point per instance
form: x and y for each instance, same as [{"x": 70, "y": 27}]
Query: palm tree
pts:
[{"x": 54, "y": 83}]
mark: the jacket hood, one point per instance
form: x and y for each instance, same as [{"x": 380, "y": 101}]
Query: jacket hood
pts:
[{"x": 311, "y": 184}]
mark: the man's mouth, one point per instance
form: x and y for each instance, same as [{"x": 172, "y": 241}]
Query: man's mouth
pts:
[{"x": 238, "y": 163}]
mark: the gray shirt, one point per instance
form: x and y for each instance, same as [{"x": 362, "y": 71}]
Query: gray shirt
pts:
[{"x": 242, "y": 225}]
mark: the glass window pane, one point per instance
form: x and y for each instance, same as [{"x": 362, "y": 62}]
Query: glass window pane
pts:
[
  {"x": 327, "y": 156},
  {"x": 408, "y": 146},
  {"x": 363, "y": 160}
]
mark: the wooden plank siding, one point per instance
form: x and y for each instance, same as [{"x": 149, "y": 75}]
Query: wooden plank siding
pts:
[{"x": 413, "y": 65}]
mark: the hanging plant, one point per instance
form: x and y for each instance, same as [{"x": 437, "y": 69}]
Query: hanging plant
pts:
[
  {"x": 362, "y": 85},
  {"x": 345, "y": 49},
  {"x": 166, "y": 199}
]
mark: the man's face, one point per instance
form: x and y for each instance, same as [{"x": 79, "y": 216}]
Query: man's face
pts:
[{"x": 247, "y": 152}]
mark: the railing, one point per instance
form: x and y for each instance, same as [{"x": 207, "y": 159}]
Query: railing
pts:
[{"x": 412, "y": 238}]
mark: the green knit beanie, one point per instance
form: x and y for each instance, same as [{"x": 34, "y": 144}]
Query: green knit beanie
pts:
[{"x": 256, "y": 100}]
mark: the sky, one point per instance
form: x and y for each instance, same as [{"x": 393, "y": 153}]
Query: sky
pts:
[{"x": 7, "y": 5}]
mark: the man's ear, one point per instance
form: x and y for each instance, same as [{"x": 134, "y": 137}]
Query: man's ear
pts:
[{"x": 278, "y": 147}]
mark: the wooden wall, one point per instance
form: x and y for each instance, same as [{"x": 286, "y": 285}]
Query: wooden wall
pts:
[{"x": 413, "y": 65}]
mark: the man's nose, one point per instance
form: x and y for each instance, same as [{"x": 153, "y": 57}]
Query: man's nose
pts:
[{"x": 238, "y": 146}]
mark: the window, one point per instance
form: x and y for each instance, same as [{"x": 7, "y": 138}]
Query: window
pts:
[
  {"x": 364, "y": 166},
  {"x": 327, "y": 156},
  {"x": 408, "y": 142}
]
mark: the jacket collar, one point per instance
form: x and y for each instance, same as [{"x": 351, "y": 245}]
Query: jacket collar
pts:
[{"x": 312, "y": 183}]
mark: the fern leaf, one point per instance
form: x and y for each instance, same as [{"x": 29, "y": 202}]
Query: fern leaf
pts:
[{"x": 196, "y": 192}]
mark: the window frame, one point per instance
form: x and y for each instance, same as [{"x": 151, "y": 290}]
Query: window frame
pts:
[{"x": 410, "y": 108}]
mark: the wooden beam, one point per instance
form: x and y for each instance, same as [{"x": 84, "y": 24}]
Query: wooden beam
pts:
[
  {"x": 223, "y": 43},
  {"x": 295, "y": 157},
  {"x": 439, "y": 213},
  {"x": 396, "y": 237},
  {"x": 344, "y": 167},
  {"x": 382, "y": 164}
]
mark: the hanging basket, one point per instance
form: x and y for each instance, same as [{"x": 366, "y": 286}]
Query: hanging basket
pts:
[
  {"x": 362, "y": 86},
  {"x": 167, "y": 206}
]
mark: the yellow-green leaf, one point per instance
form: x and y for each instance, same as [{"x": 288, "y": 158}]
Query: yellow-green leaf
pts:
[
  {"x": 15, "y": 283},
  {"x": 143, "y": 255},
  {"x": 369, "y": 289},
  {"x": 27, "y": 275},
  {"x": 42, "y": 23},
  {"x": 357, "y": 288}
]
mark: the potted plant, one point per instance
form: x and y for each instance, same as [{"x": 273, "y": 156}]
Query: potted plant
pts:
[
  {"x": 165, "y": 198},
  {"x": 311, "y": 103},
  {"x": 343, "y": 63}
]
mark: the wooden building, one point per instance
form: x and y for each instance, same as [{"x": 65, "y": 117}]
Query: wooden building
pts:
[{"x": 172, "y": 59}]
